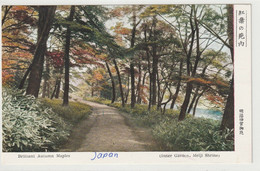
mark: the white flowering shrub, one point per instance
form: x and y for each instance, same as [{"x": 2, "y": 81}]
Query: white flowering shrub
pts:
[{"x": 27, "y": 126}]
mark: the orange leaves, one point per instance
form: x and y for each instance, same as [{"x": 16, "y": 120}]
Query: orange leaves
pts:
[
  {"x": 98, "y": 76},
  {"x": 11, "y": 62},
  {"x": 24, "y": 14},
  {"x": 202, "y": 81},
  {"x": 199, "y": 81},
  {"x": 7, "y": 75},
  {"x": 119, "y": 29},
  {"x": 217, "y": 100},
  {"x": 221, "y": 83},
  {"x": 18, "y": 8},
  {"x": 124, "y": 31},
  {"x": 17, "y": 48},
  {"x": 6, "y": 78},
  {"x": 86, "y": 50}
]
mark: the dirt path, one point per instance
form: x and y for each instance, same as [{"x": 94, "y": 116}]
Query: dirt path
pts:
[{"x": 107, "y": 130}]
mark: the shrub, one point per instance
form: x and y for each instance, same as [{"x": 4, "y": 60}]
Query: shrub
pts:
[
  {"x": 27, "y": 126},
  {"x": 194, "y": 134}
]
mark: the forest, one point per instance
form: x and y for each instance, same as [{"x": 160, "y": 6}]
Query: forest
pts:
[{"x": 169, "y": 67}]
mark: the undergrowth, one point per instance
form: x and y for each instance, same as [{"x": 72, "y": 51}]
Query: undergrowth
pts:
[
  {"x": 72, "y": 113},
  {"x": 33, "y": 125}
]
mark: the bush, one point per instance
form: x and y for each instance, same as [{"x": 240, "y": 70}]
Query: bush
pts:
[
  {"x": 27, "y": 126},
  {"x": 72, "y": 113},
  {"x": 194, "y": 134}
]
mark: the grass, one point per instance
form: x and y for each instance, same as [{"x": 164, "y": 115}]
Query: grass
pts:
[
  {"x": 191, "y": 134},
  {"x": 73, "y": 113}
]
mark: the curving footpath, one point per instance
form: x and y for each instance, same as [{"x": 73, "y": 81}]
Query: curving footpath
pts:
[{"x": 108, "y": 130}]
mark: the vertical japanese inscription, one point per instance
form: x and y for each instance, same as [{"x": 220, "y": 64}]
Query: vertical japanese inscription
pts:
[
  {"x": 241, "y": 121},
  {"x": 241, "y": 28}
]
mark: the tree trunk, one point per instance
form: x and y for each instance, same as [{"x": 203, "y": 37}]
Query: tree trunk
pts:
[
  {"x": 154, "y": 73},
  {"x": 144, "y": 77},
  {"x": 165, "y": 103},
  {"x": 149, "y": 69},
  {"x": 132, "y": 70},
  {"x": 132, "y": 74},
  {"x": 46, "y": 78},
  {"x": 185, "y": 102},
  {"x": 44, "y": 87},
  {"x": 128, "y": 88},
  {"x": 154, "y": 65},
  {"x": 193, "y": 72},
  {"x": 92, "y": 90},
  {"x": 228, "y": 116},
  {"x": 67, "y": 59},
  {"x": 46, "y": 15},
  {"x": 150, "y": 91},
  {"x": 120, "y": 83},
  {"x": 55, "y": 89},
  {"x": 21, "y": 85},
  {"x": 197, "y": 101},
  {"x": 178, "y": 86},
  {"x": 193, "y": 99},
  {"x": 113, "y": 84},
  {"x": 159, "y": 98},
  {"x": 57, "y": 94},
  {"x": 139, "y": 83}
]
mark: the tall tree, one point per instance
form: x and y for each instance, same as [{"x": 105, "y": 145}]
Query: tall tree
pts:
[
  {"x": 120, "y": 83},
  {"x": 228, "y": 116},
  {"x": 113, "y": 84},
  {"x": 174, "y": 97},
  {"x": 67, "y": 59},
  {"x": 132, "y": 70},
  {"x": 155, "y": 62},
  {"x": 46, "y": 76},
  {"x": 188, "y": 53},
  {"x": 46, "y": 15}
]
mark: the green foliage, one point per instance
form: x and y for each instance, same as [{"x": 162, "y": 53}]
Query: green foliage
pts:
[
  {"x": 72, "y": 113},
  {"x": 27, "y": 126},
  {"x": 148, "y": 118},
  {"x": 194, "y": 134}
]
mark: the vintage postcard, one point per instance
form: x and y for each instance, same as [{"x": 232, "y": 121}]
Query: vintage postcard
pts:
[{"x": 138, "y": 83}]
